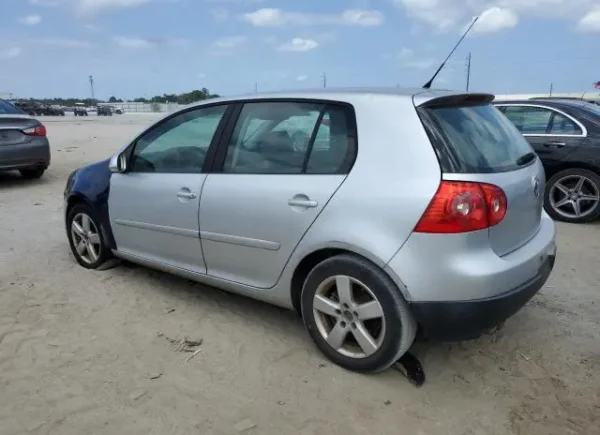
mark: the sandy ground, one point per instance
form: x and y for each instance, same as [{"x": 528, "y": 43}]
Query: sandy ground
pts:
[{"x": 87, "y": 352}]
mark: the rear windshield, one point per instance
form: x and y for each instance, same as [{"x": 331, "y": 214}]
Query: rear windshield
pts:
[
  {"x": 474, "y": 139},
  {"x": 8, "y": 109}
]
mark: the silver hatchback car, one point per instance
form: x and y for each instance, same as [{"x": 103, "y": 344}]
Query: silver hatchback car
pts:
[{"x": 376, "y": 214}]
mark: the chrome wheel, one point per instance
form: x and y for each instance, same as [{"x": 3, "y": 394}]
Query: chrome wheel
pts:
[
  {"x": 86, "y": 238},
  {"x": 349, "y": 317},
  {"x": 574, "y": 196}
]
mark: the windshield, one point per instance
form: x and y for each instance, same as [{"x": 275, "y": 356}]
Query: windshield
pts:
[
  {"x": 8, "y": 109},
  {"x": 475, "y": 139}
]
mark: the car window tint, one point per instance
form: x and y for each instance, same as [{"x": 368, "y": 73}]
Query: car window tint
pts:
[
  {"x": 279, "y": 139},
  {"x": 563, "y": 125},
  {"x": 8, "y": 109},
  {"x": 332, "y": 151},
  {"x": 529, "y": 120},
  {"x": 480, "y": 138},
  {"x": 178, "y": 145}
]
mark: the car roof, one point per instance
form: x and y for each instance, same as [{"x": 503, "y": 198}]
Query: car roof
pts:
[{"x": 420, "y": 95}]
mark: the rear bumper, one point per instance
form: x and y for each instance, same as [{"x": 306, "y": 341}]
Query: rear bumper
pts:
[
  {"x": 25, "y": 155},
  {"x": 464, "y": 320}
]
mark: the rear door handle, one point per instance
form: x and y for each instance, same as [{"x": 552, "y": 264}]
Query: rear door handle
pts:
[
  {"x": 302, "y": 203},
  {"x": 555, "y": 144}
]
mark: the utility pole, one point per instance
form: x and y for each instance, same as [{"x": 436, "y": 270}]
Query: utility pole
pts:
[
  {"x": 92, "y": 87},
  {"x": 324, "y": 80},
  {"x": 551, "y": 86},
  {"x": 468, "y": 70},
  {"x": 256, "y": 87}
]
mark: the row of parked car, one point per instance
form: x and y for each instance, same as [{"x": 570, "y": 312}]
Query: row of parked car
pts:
[{"x": 33, "y": 108}]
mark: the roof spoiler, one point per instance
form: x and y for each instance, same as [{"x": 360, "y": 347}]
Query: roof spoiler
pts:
[{"x": 454, "y": 100}]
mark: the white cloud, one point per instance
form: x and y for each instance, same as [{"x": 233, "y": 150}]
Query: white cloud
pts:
[
  {"x": 230, "y": 42},
  {"x": 219, "y": 14},
  {"x": 30, "y": 20},
  {"x": 406, "y": 53},
  {"x": 46, "y": 2},
  {"x": 495, "y": 19},
  {"x": 301, "y": 78},
  {"x": 64, "y": 42},
  {"x": 92, "y": 28},
  {"x": 10, "y": 52},
  {"x": 420, "y": 63},
  {"x": 299, "y": 45},
  {"x": 410, "y": 59},
  {"x": 89, "y": 7},
  {"x": 359, "y": 17},
  {"x": 445, "y": 15},
  {"x": 272, "y": 17},
  {"x": 590, "y": 22},
  {"x": 132, "y": 42}
]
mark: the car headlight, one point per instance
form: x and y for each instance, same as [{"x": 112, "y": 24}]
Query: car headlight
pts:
[{"x": 69, "y": 184}]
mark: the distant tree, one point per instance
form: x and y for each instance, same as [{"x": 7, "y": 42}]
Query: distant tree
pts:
[{"x": 112, "y": 99}]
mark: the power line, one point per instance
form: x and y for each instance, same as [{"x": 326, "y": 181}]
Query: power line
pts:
[{"x": 92, "y": 87}]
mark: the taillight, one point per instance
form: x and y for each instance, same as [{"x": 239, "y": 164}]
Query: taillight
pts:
[
  {"x": 39, "y": 130},
  {"x": 460, "y": 207}
]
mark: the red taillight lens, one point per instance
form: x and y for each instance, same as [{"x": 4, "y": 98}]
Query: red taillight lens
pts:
[
  {"x": 39, "y": 130},
  {"x": 460, "y": 207}
]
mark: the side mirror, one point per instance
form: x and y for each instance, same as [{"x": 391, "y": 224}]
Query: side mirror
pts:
[{"x": 118, "y": 163}]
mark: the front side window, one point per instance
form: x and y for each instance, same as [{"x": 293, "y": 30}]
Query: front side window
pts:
[
  {"x": 561, "y": 125},
  {"x": 178, "y": 145},
  {"x": 275, "y": 138},
  {"x": 529, "y": 120}
]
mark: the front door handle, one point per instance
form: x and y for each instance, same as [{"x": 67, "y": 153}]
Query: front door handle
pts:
[
  {"x": 307, "y": 203},
  {"x": 186, "y": 193}
]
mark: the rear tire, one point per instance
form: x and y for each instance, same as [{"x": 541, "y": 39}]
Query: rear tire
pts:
[
  {"x": 573, "y": 186},
  {"x": 356, "y": 315},
  {"x": 32, "y": 174}
]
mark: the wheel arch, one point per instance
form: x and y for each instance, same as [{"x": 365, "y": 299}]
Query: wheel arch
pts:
[
  {"x": 316, "y": 256},
  {"x": 77, "y": 198},
  {"x": 563, "y": 166}
]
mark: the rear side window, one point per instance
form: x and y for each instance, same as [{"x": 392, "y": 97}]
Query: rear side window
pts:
[
  {"x": 8, "y": 109},
  {"x": 561, "y": 125},
  {"x": 474, "y": 139},
  {"x": 292, "y": 137},
  {"x": 529, "y": 120}
]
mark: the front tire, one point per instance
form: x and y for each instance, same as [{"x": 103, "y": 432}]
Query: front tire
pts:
[
  {"x": 85, "y": 238},
  {"x": 573, "y": 195},
  {"x": 356, "y": 315}
]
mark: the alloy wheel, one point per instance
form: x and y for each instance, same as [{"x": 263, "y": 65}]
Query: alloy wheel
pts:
[
  {"x": 349, "y": 317},
  {"x": 86, "y": 238},
  {"x": 574, "y": 196}
]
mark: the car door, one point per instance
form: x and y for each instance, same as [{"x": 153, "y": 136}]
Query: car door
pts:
[
  {"x": 271, "y": 184},
  {"x": 552, "y": 133},
  {"x": 153, "y": 205}
]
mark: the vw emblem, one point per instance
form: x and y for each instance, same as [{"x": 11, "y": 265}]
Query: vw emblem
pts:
[{"x": 536, "y": 187}]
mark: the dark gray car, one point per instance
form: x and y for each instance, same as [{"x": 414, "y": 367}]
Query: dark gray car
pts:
[{"x": 23, "y": 142}]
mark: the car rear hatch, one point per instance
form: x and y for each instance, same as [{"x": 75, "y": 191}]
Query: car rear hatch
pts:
[
  {"x": 474, "y": 142},
  {"x": 12, "y": 126}
]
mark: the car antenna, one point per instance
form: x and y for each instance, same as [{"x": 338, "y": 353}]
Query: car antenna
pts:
[{"x": 430, "y": 82}]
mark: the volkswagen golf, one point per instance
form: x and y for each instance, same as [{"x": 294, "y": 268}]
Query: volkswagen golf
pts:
[{"x": 374, "y": 213}]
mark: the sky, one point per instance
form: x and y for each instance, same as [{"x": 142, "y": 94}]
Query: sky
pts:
[{"x": 141, "y": 48}]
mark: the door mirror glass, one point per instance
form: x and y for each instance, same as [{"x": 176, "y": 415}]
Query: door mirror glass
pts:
[{"x": 118, "y": 163}]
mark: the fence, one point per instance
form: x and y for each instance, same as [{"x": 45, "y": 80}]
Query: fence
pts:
[{"x": 130, "y": 107}]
